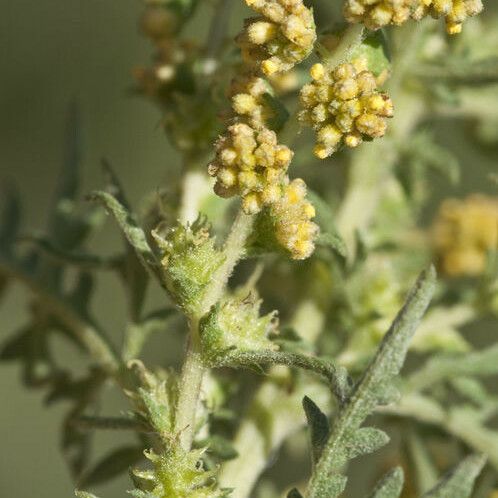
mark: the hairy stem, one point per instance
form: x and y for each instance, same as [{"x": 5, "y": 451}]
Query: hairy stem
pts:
[{"x": 193, "y": 368}]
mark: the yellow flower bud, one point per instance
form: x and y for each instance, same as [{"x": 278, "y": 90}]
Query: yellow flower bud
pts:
[{"x": 350, "y": 107}]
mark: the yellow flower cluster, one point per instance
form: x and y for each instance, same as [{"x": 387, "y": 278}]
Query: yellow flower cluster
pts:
[
  {"x": 376, "y": 14},
  {"x": 464, "y": 233},
  {"x": 454, "y": 11},
  {"x": 250, "y": 163},
  {"x": 344, "y": 106},
  {"x": 294, "y": 229},
  {"x": 248, "y": 99},
  {"x": 281, "y": 37}
]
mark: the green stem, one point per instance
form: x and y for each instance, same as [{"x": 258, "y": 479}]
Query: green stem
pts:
[
  {"x": 193, "y": 368},
  {"x": 233, "y": 250},
  {"x": 190, "y": 389}
]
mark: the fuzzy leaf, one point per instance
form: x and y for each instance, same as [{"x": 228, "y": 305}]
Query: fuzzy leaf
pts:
[
  {"x": 319, "y": 427},
  {"x": 390, "y": 486},
  {"x": 375, "y": 49},
  {"x": 132, "y": 232},
  {"x": 459, "y": 482},
  {"x": 332, "y": 241},
  {"x": 384, "y": 366},
  {"x": 336, "y": 375},
  {"x": 113, "y": 464},
  {"x": 364, "y": 441}
]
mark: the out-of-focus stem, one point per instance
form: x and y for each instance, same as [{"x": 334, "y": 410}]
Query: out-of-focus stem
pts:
[{"x": 372, "y": 163}]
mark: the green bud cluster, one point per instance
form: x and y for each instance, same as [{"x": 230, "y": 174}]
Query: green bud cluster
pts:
[
  {"x": 189, "y": 259},
  {"x": 236, "y": 325},
  {"x": 176, "y": 473},
  {"x": 155, "y": 398}
]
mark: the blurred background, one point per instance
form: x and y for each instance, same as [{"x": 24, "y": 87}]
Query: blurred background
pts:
[{"x": 54, "y": 54}]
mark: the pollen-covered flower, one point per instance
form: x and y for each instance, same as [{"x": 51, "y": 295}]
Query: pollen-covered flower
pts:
[
  {"x": 248, "y": 99},
  {"x": 376, "y": 14},
  {"x": 292, "y": 216},
  {"x": 455, "y": 12},
  {"x": 281, "y": 37},
  {"x": 344, "y": 106},
  {"x": 464, "y": 233},
  {"x": 252, "y": 164}
]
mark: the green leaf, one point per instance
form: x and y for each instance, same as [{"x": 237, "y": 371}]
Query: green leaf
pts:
[
  {"x": 112, "y": 465},
  {"x": 132, "y": 232},
  {"x": 332, "y": 241},
  {"x": 336, "y": 375},
  {"x": 375, "y": 48},
  {"x": 319, "y": 427},
  {"x": 364, "y": 441},
  {"x": 390, "y": 486},
  {"x": 385, "y": 365},
  {"x": 425, "y": 469},
  {"x": 459, "y": 482}
]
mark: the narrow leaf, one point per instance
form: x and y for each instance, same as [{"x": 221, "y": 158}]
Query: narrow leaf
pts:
[
  {"x": 133, "y": 233},
  {"x": 366, "y": 440},
  {"x": 318, "y": 425},
  {"x": 336, "y": 375},
  {"x": 384, "y": 366},
  {"x": 390, "y": 486},
  {"x": 459, "y": 482}
]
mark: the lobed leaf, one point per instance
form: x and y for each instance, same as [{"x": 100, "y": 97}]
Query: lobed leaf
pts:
[{"x": 326, "y": 478}]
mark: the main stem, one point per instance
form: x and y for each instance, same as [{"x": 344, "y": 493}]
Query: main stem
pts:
[{"x": 193, "y": 367}]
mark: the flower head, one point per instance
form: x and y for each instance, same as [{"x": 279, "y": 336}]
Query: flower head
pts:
[
  {"x": 464, "y": 233},
  {"x": 281, "y": 37},
  {"x": 344, "y": 106},
  {"x": 376, "y": 14},
  {"x": 252, "y": 164},
  {"x": 292, "y": 216}
]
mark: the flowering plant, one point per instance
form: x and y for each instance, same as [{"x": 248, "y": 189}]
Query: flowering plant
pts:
[{"x": 344, "y": 266}]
